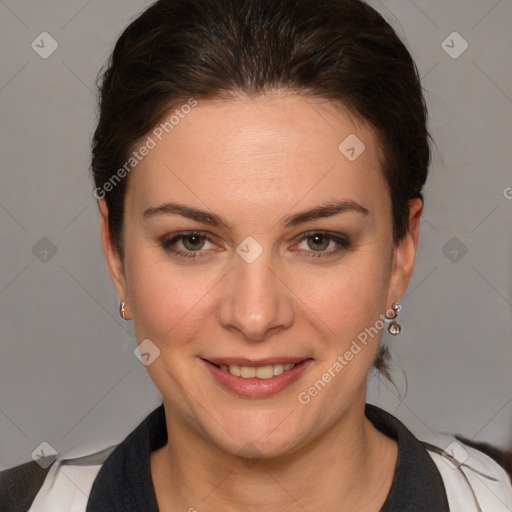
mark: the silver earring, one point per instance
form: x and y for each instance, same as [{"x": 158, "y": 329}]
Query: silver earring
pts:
[
  {"x": 394, "y": 327},
  {"x": 122, "y": 310}
]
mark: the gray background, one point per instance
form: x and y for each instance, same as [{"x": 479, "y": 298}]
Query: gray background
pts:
[{"x": 68, "y": 375}]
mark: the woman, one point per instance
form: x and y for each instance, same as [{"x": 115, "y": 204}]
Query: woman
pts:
[{"x": 259, "y": 168}]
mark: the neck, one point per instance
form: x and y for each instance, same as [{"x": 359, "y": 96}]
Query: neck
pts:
[{"x": 351, "y": 466}]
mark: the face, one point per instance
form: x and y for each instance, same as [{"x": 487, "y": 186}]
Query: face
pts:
[{"x": 253, "y": 241}]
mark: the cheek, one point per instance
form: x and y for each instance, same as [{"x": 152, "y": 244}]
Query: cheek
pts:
[
  {"x": 348, "y": 297},
  {"x": 176, "y": 302},
  {"x": 164, "y": 298}
]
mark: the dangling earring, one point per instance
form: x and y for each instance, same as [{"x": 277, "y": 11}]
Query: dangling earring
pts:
[
  {"x": 122, "y": 310},
  {"x": 395, "y": 328}
]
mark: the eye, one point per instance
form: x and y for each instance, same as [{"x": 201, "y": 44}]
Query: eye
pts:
[
  {"x": 315, "y": 244},
  {"x": 323, "y": 244},
  {"x": 318, "y": 241},
  {"x": 187, "y": 244},
  {"x": 193, "y": 242}
]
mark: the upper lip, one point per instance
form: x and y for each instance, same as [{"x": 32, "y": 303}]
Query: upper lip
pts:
[{"x": 243, "y": 361}]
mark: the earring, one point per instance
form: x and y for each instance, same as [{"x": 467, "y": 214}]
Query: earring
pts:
[
  {"x": 122, "y": 310},
  {"x": 395, "y": 328}
]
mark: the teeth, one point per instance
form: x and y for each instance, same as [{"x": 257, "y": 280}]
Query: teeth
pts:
[
  {"x": 247, "y": 372},
  {"x": 278, "y": 369},
  {"x": 260, "y": 372},
  {"x": 234, "y": 369},
  {"x": 264, "y": 372}
]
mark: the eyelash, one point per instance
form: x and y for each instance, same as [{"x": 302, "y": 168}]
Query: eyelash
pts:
[{"x": 343, "y": 242}]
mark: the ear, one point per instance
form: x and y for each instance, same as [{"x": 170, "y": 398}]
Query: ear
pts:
[
  {"x": 114, "y": 263},
  {"x": 405, "y": 254}
]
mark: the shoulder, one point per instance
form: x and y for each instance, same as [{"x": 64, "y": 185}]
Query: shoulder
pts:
[
  {"x": 20, "y": 484},
  {"x": 63, "y": 486},
  {"x": 67, "y": 484},
  {"x": 472, "y": 479}
]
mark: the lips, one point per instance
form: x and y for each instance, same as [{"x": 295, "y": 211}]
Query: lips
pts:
[
  {"x": 242, "y": 361},
  {"x": 261, "y": 369},
  {"x": 257, "y": 378}
]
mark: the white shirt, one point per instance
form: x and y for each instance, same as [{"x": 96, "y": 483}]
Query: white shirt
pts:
[{"x": 474, "y": 482}]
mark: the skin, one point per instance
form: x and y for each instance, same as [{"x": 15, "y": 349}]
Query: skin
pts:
[{"x": 254, "y": 162}]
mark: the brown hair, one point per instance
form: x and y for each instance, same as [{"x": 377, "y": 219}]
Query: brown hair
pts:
[{"x": 340, "y": 50}]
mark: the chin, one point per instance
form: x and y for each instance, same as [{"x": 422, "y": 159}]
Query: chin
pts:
[{"x": 259, "y": 435}]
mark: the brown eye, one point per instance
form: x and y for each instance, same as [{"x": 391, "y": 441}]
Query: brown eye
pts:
[
  {"x": 193, "y": 242},
  {"x": 318, "y": 242},
  {"x": 191, "y": 245}
]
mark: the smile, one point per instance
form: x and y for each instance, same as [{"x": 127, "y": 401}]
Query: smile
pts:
[
  {"x": 260, "y": 372},
  {"x": 257, "y": 379}
]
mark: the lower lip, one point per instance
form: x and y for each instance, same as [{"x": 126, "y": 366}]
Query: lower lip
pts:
[{"x": 254, "y": 387}]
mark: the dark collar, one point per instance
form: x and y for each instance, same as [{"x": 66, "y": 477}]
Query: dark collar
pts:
[
  {"x": 124, "y": 481},
  {"x": 417, "y": 485}
]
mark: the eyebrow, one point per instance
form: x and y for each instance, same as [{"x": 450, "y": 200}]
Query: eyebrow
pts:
[
  {"x": 319, "y": 212},
  {"x": 324, "y": 211}
]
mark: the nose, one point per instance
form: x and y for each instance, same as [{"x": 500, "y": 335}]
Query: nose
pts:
[{"x": 255, "y": 301}]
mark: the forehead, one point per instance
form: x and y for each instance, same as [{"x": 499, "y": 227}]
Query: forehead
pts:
[{"x": 261, "y": 149}]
